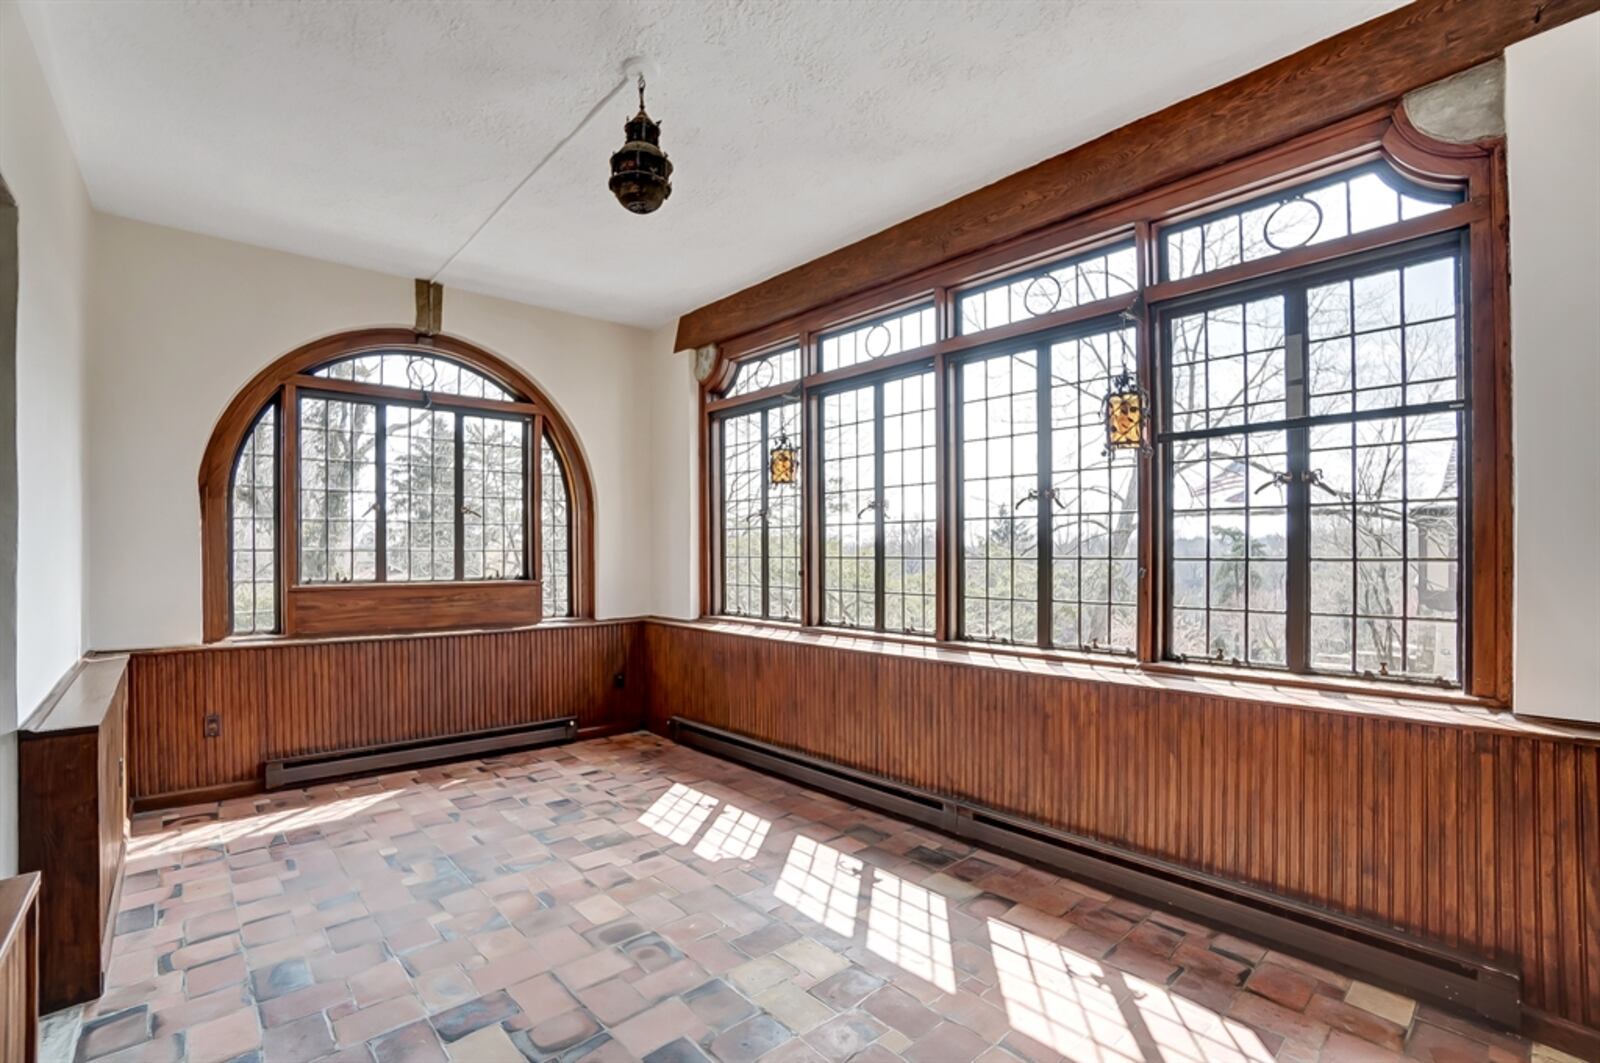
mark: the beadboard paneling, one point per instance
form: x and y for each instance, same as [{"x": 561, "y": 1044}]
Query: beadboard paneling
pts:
[
  {"x": 281, "y": 699},
  {"x": 1481, "y": 837}
]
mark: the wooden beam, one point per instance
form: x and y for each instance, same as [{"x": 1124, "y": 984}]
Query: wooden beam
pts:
[{"x": 1366, "y": 66}]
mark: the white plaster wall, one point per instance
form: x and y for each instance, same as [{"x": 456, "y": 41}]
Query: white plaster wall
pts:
[
  {"x": 1553, "y": 145},
  {"x": 181, "y": 322},
  {"x": 53, "y": 243},
  {"x": 675, "y": 456}
]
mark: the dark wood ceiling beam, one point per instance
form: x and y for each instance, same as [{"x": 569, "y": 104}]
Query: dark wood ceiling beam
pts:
[{"x": 1366, "y": 66}]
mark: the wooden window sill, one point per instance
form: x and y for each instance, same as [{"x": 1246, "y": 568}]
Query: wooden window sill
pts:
[{"x": 1317, "y": 693}]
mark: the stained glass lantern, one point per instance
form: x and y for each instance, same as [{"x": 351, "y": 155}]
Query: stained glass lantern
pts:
[
  {"x": 1127, "y": 415},
  {"x": 783, "y": 464}
]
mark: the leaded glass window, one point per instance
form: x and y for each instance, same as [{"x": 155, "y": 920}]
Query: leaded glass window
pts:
[
  {"x": 494, "y": 514},
  {"x": 893, "y": 334},
  {"x": 760, "y": 519},
  {"x": 338, "y": 490},
  {"x": 419, "y": 502},
  {"x": 254, "y": 521},
  {"x": 1314, "y": 449},
  {"x": 1049, "y": 523},
  {"x": 769, "y": 370},
  {"x": 879, "y": 506},
  {"x": 555, "y": 532},
  {"x": 1084, "y": 279},
  {"x": 1315, "y": 213}
]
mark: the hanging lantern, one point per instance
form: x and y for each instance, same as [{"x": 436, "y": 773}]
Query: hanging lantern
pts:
[
  {"x": 640, "y": 172},
  {"x": 783, "y": 464},
  {"x": 1127, "y": 415}
]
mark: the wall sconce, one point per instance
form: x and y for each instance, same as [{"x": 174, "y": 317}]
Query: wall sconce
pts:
[
  {"x": 783, "y": 464},
  {"x": 1127, "y": 414}
]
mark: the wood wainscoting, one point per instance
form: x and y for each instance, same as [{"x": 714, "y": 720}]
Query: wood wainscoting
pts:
[
  {"x": 1473, "y": 830},
  {"x": 283, "y": 698},
  {"x": 19, "y": 969}
]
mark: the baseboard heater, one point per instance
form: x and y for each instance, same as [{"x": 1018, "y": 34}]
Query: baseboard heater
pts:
[
  {"x": 292, "y": 771},
  {"x": 1382, "y": 955}
]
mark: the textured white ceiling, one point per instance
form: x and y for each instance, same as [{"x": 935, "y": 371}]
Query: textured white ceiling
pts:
[{"x": 379, "y": 134}]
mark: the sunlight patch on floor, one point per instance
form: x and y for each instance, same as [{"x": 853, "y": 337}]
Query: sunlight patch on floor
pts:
[
  {"x": 679, "y": 813},
  {"x": 822, "y": 884},
  {"x": 910, "y": 927},
  {"x": 734, "y": 835},
  {"x": 1086, "y": 1011}
]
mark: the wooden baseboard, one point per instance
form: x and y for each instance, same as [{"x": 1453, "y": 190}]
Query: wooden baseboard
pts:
[{"x": 1568, "y": 1036}]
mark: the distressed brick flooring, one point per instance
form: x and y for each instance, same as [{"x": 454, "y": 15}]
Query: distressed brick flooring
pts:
[{"x": 628, "y": 898}]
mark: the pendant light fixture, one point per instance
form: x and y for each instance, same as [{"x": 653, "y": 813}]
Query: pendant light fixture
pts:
[{"x": 640, "y": 171}]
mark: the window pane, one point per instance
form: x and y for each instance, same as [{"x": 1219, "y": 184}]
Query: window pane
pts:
[
  {"x": 493, "y": 497},
  {"x": 783, "y": 520},
  {"x": 1386, "y": 531},
  {"x": 555, "y": 533},
  {"x": 420, "y": 494},
  {"x": 1000, "y": 498},
  {"x": 1080, "y": 280},
  {"x": 743, "y": 471},
  {"x": 338, "y": 491},
  {"x": 417, "y": 371},
  {"x": 1312, "y": 214},
  {"x": 1384, "y": 339},
  {"x": 254, "y": 529},
  {"x": 767, "y": 371},
  {"x": 878, "y": 339},
  {"x": 1094, "y": 573},
  {"x": 909, "y": 504},
  {"x": 1227, "y": 367},
  {"x": 849, "y": 498}
]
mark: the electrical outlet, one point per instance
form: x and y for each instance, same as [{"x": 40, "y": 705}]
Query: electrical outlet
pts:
[{"x": 213, "y": 725}]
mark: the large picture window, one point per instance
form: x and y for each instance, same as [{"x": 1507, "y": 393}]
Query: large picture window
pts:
[
  {"x": 1303, "y": 503},
  {"x": 408, "y": 470}
]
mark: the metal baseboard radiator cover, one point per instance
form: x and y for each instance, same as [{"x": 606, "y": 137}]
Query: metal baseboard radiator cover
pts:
[
  {"x": 316, "y": 767},
  {"x": 1382, "y": 955}
]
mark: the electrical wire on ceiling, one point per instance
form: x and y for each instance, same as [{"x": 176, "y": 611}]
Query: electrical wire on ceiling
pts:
[{"x": 631, "y": 71}]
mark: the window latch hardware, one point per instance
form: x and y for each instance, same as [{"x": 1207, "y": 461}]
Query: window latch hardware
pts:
[
  {"x": 1284, "y": 478},
  {"x": 874, "y": 504}
]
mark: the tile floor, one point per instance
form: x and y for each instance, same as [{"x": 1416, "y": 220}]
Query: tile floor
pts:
[{"x": 631, "y": 899}]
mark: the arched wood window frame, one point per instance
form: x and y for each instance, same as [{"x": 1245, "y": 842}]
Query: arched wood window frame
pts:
[
  {"x": 1384, "y": 135},
  {"x": 381, "y": 608}
]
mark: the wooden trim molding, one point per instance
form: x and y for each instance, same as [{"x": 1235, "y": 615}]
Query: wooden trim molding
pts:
[
  {"x": 1367, "y": 66},
  {"x": 306, "y": 605}
]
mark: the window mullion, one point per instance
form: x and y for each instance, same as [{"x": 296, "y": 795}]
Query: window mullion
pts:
[
  {"x": 380, "y": 487},
  {"x": 766, "y": 502},
  {"x": 1046, "y": 500},
  {"x": 461, "y": 499},
  {"x": 1298, "y": 577},
  {"x": 880, "y": 538}
]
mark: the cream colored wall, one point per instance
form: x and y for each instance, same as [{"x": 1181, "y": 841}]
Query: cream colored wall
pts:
[
  {"x": 53, "y": 244},
  {"x": 1553, "y": 161},
  {"x": 181, "y": 322}
]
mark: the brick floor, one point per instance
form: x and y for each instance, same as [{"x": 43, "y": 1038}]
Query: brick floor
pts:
[{"x": 630, "y": 899}]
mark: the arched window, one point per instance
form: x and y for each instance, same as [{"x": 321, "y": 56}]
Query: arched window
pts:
[{"x": 374, "y": 484}]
